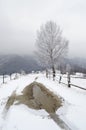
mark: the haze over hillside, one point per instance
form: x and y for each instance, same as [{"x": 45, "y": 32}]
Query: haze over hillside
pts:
[{"x": 15, "y": 63}]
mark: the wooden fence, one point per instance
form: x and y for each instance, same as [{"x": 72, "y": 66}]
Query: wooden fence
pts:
[{"x": 72, "y": 85}]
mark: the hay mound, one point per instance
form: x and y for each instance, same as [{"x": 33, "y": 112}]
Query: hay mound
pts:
[{"x": 37, "y": 96}]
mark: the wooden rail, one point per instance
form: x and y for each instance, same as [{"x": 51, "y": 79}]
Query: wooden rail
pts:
[
  {"x": 72, "y": 85},
  {"x": 78, "y": 86}
]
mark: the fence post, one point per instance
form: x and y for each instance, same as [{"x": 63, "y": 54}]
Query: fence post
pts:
[
  {"x": 68, "y": 80},
  {"x": 60, "y": 79},
  {"x": 46, "y": 73},
  {"x": 10, "y": 76},
  {"x": 3, "y": 78}
]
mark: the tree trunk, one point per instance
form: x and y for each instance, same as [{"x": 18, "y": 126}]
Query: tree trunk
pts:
[
  {"x": 54, "y": 73},
  {"x": 69, "y": 80}
]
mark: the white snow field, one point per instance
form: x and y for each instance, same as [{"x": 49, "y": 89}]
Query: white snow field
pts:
[{"x": 20, "y": 117}]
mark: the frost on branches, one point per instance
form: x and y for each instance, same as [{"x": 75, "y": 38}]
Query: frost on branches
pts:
[{"x": 51, "y": 46}]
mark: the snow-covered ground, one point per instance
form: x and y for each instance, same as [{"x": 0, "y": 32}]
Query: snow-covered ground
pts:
[{"x": 20, "y": 117}]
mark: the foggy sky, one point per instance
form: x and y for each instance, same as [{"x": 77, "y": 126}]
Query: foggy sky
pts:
[{"x": 20, "y": 19}]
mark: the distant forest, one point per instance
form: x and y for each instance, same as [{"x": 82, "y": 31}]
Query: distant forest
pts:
[{"x": 15, "y": 63}]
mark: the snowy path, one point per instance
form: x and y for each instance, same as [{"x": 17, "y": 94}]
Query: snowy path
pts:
[{"x": 22, "y": 118}]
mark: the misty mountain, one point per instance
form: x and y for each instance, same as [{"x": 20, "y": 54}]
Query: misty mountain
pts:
[
  {"x": 76, "y": 65},
  {"x": 15, "y": 63}
]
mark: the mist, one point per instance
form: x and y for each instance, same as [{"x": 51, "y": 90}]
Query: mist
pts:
[{"x": 20, "y": 20}]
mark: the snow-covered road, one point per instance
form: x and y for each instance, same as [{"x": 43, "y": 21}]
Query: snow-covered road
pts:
[{"x": 21, "y": 117}]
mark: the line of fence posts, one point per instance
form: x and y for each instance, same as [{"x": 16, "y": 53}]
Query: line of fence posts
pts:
[
  {"x": 60, "y": 77},
  {"x": 50, "y": 74},
  {"x": 3, "y": 77},
  {"x": 68, "y": 79}
]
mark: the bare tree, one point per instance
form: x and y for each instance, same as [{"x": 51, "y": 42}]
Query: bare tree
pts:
[
  {"x": 51, "y": 46},
  {"x": 68, "y": 68}
]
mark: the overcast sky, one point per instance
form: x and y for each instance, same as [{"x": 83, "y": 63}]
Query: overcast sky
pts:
[{"x": 20, "y": 19}]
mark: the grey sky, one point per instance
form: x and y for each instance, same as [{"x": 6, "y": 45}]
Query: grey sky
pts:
[{"x": 20, "y": 19}]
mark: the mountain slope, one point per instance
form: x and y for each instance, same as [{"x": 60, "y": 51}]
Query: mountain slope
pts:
[{"x": 15, "y": 63}]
